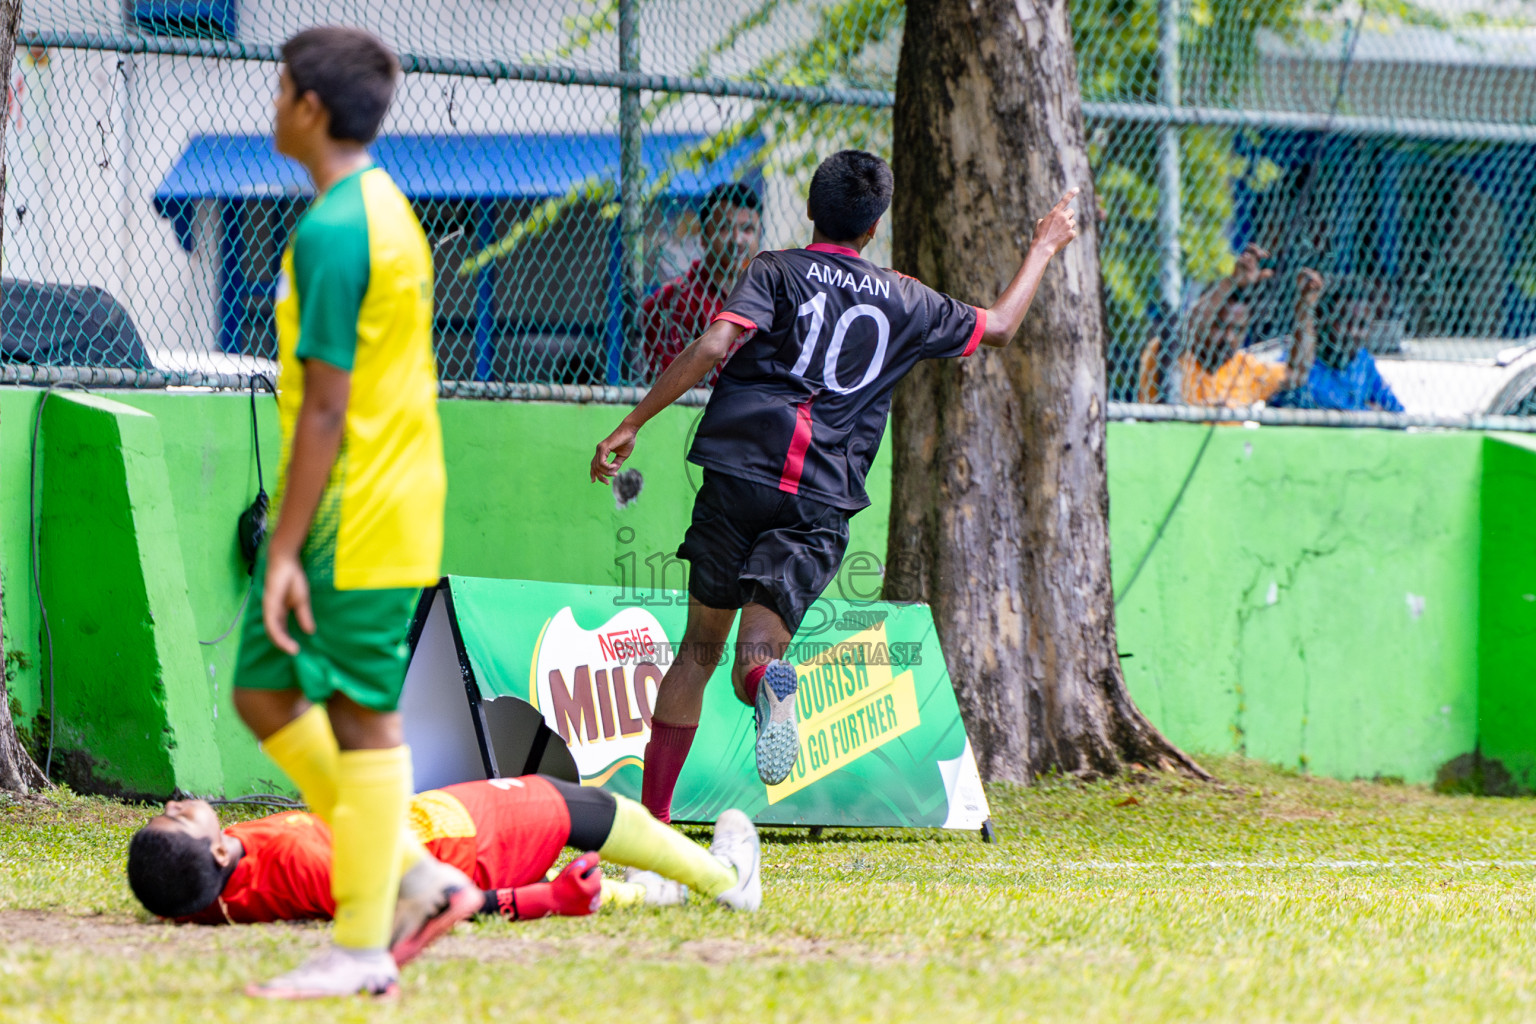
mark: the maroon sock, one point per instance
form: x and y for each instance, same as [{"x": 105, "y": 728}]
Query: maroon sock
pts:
[
  {"x": 664, "y": 757},
  {"x": 754, "y": 678}
]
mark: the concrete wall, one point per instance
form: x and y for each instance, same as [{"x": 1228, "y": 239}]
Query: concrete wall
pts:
[
  {"x": 1314, "y": 601},
  {"x": 1351, "y": 603},
  {"x": 520, "y": 507},
  {"x": 1506, "y": 754},
  {"x": 132, "y": 708}
]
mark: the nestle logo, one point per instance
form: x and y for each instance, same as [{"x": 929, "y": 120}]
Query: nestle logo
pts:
[{"x": 627, "y": 644}]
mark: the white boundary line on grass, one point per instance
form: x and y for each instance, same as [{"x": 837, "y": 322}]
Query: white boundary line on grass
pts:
[{"x": 1262, "y": 865}]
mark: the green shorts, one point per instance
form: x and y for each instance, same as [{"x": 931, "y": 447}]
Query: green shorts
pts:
[{"x": 358, "y": 649}]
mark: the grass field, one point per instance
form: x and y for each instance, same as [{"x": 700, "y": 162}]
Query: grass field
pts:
[{"x": 1268, "y": 896}]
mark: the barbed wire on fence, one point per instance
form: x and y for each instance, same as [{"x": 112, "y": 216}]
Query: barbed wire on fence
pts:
[{"x": 558, "y": 153}]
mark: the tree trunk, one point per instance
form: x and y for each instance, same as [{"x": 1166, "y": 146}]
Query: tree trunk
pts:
[
  {"x": 18, "y": 774},
  {"x": 1000, "y": 505}
]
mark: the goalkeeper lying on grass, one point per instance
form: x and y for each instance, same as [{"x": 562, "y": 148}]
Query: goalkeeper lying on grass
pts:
[{"x": 503, "y": 833}]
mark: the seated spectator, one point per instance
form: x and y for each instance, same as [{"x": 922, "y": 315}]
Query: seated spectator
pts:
[
  {"x": 1344, "y": 374},
  {"x": 731, "y": 228},
  {"x": 1213, "y": 369}
]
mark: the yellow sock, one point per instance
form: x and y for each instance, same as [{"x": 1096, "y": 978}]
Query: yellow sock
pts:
[
  {"x": 305, "y": 749},
  {"x": 622, "y": 894},
  {"x": 411, "y": 849},
  {"x": 409, "y": 845},
  {"x": 371, "y": 788},
  {"x": 640, "y": 841}
]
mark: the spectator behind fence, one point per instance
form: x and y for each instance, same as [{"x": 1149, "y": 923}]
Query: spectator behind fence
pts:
[
  {"x": 1212, "y": 369},
  {"x": 731, "y": 227},
  {"x": 1344, "y": 374}
]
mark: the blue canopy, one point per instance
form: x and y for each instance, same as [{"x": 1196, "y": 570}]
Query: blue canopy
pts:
[{"x": 451, "y": 167}]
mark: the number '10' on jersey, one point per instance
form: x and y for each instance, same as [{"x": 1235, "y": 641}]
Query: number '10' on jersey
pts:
[{"x": 802, "y": 405}]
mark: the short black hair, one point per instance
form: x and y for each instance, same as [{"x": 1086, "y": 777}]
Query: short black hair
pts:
[
  {"x": 735, "y": 194},
  {"x": 849, "y": 192},
  {"x": 351, "y": 71},
  {"x": 1344, "y": 291},
  {"x": 173, "y": 874}
]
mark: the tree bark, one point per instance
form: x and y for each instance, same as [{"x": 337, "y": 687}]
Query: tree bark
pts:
[
  {"x": 18, "y": 773},
  {"x": 1000, "y": 504}
]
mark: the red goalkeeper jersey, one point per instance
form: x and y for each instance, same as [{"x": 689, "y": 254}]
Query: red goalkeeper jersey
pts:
[{"x": 502, "y": 833}]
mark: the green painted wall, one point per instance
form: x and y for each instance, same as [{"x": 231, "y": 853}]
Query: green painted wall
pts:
[
  {"x": 23, "y": 650},
  {"x": 132, "y": 708},
  {"x": 1507, "y": 641},
  {"x": 1314, "y": 602},
  {"x": 212, "y": 470},
  {"x": 520, "y": 506},
  {"x": 1318, "y": 601}
]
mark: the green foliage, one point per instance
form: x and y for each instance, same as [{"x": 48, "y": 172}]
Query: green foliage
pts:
[
  {"x": 16, "y": 660},
  {"x": 794, "y": 135},
  {"x": 544, "y": 216},
  {"x": 582, "y": 30},
  {"x": 1118, "y": 51},
  {"x": 1117, "y": 43}
]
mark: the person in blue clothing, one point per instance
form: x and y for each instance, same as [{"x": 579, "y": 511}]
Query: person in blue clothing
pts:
[{"x": 1343, "y": 374}]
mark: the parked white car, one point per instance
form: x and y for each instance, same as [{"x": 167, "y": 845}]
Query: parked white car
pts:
[
  {"x": 1463, "y": 376},
  {"x": 191, "y": 361}
]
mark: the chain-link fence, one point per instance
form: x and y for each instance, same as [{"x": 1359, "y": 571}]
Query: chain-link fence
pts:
[
  {"x": 1380, "y": 161},
  {"x": 560, "y": 156},
  {"x": 557, "y": 154}
]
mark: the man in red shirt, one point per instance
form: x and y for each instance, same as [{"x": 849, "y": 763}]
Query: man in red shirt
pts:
[
  {"x": 503, "y": 833},
  {"x": 731, "y": 228}
]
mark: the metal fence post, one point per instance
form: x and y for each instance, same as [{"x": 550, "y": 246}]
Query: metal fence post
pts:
[
  {"x": 631, "y": 197},
  {"x": 1169, "y": 176},
  {"x": 487, "y": 330}
]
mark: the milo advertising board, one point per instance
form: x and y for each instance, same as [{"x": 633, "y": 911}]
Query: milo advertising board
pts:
[{"x": 881, "y": 741}]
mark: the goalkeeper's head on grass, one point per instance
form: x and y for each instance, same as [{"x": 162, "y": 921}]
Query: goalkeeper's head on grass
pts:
[
  {"x": 787, "y": 440},
  {"x": 360, "y": 514}
]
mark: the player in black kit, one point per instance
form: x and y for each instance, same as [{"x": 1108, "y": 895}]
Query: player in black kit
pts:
[{"x": 787, "y": 439}]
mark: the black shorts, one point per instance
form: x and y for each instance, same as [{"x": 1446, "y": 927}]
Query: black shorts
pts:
[
  {"x": 592, "y": 811},
  {"x": 752, "y": 542}
]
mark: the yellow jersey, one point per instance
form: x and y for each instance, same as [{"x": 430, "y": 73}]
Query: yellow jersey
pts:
[{"x": 356, "y": 292}]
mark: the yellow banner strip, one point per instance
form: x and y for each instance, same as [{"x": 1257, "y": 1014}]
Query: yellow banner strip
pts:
[
  {"x": 837, "y": 738},
  {"x": 839, "y": 678}
]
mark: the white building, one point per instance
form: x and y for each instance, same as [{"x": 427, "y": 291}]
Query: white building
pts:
[{"x": 149, "y": 175}]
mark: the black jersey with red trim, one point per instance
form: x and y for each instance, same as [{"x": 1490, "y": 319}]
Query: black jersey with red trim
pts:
[{"x": 802, "y": 405}]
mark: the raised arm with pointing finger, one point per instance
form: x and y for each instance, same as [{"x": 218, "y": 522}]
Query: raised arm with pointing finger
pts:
[{"x": 1053, "y": 232}]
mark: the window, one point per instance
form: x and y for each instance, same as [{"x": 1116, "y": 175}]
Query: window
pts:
[
  {"x": 541, "y": 313},
  {"x": 197, "y": 19},
  {"x": 551, "y": 308},
  {"x": 253, "y": 236}
]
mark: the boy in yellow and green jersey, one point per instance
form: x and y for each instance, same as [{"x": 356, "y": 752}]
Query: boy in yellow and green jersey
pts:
[{"x": 360, "y": 520}]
